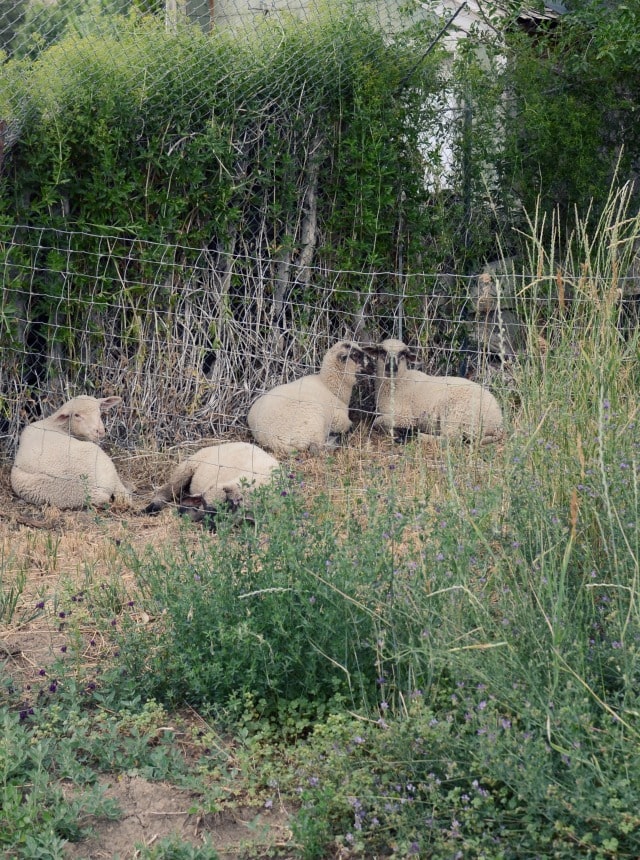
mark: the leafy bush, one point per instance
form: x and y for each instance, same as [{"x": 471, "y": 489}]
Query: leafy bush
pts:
[{"x": 286, "y": 611}]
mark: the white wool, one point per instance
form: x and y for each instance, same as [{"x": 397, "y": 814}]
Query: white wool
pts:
[{"x": 219, "y": 473}]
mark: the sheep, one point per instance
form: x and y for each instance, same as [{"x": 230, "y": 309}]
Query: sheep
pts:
[
  {"x": 497, "y": 330},
  {"x": 312, "y": 412},
  {"x": 448, "y": 406},
  {"x": 59, "y": 461},
  {"x": 219, "y": 474}
]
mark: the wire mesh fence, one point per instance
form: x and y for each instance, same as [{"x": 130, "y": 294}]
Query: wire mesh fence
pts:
[
  {"x": 189, "y": 338},
  {"x": 184, "y": 230}
]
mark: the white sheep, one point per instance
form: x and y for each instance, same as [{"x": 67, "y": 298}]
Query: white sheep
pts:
[
  {"x": 448, "y": 406},
  {"x": 59, "y": 461},
  {"x": 218, "y": 474},
  {"x": 309, "y": 413}
]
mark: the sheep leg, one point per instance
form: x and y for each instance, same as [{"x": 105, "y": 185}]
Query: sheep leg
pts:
[
  {"x": 205, "y": 515},
  {"x": 402, "y": 435},
  {"x": 174, "y": 490}
]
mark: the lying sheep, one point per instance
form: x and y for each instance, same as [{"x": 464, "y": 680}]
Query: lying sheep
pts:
[
  {"x": 448, "y": 406},
  {"x": 220, "y": 474},
  {"x": 311, "y": 412},
  {"x": 59, "y": 461}
]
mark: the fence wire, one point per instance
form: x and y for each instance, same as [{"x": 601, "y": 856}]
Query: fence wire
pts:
[
  {"x": 190, "y": 336},
  {"x": 190, "y": 345}
]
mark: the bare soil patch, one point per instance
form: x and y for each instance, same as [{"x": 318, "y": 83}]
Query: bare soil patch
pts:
[{"x": 154, "y": 810}]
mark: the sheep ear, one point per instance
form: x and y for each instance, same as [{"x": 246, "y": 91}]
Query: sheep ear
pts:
[
  {"x": 62, "y": 417},
  {"x": 109, "y": 402},
  {"x": 372, "y": 349},
  {"x": 411, "y": 355}
]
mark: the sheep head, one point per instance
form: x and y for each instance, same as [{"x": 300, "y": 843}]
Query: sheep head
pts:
[
  {"x": 349, "y": 356},
  {"x": 81, "y": 417},
  {"x": 392, "y": 357}
]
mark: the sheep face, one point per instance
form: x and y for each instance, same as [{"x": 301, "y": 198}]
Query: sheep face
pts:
[
  {"x": 82, "y": 417},
  {"x": 392, "y": 358},
  {"x": 348, "y": 355}
]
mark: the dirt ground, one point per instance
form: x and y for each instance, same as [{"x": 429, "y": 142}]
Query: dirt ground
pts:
[{"x": 58, "y": 552}]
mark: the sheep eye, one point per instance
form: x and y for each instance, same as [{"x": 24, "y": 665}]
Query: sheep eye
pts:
[{"x": 343, "y": 358}]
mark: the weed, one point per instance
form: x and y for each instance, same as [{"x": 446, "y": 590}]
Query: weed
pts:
[{"x": 174, "y": 848}]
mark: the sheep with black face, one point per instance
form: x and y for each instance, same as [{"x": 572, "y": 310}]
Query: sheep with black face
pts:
[
  {"x": 449, "y": 406},
  {"x": 311, "y": 413}
]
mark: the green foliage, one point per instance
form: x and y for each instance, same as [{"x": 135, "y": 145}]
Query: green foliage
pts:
[
  {"x": 54, "y": 737},
  {"x": 38, "y": 816},
  {"x": 220, "y": 143},
  {"x": 288, "y": 613},
  {"x": 11, "y": 16},
  {"x": 573, "y": 119},
  {"x": 42, "y": 24},
  {"x": 465, "y": 777},
  {"x": 175, "y": 848}
]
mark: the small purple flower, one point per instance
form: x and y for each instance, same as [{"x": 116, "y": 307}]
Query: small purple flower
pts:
[
  {"x": 53, "y": 686},
  {"x": 440, "y": 556},
  {"x": 384, "y": 706},
  {"x": 268, "y": 804},
  {"x": 505, "y": 723},
  {"x": 40, "y": 604},
  {"x": 63, "y": 648},
  {"x": 42, "y": 673}
]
